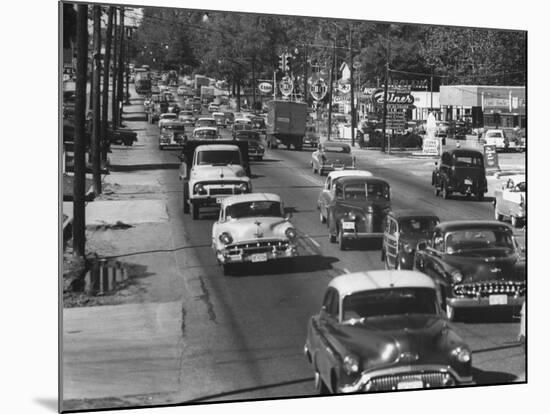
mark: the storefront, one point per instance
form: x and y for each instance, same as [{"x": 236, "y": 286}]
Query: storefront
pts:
[
  {"x": 484, "y": 106},
  {"x": 424, "y": 103}
]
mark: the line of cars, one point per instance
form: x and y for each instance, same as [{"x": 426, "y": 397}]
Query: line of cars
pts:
[{"x": 389, "y": 330}]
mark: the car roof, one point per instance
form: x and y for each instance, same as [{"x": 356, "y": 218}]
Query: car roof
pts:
[
  {"x": 217, "y": 147},
  {"x": 370, "y": 179},
  {"x": 472, "y": 224},
  {"x": 245, "y": 198},
  {"x": 335, "y": 144},
  {"x": 168, "y": 115},
  {"x": 409, "y": 213},
  {"x": 206, "y": 128},
  {"x": 350, "y": 283},
  {"x": 206, "y": 118},
  {"x": 218, "y": 114},
  {"x": 349, "y": 173},
  {"x": 242, "y": 120},
  {"x": 173, "y": 122}
]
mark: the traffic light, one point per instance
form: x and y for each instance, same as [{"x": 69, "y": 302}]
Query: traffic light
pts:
[{"x": 283, "y": 62}]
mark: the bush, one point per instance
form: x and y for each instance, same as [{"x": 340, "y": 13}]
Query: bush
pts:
[{"x": 409, "y": 140}]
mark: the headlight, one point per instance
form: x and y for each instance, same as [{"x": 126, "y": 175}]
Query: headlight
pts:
[
  {"x": 463, "y": 355},
  {"x": 456, "y": 276},
  {"x": 243, "y": 188},
  {"x": 226, "y": 238},
  {"x": 351, "y": 364},
  {"x": 351, "y": 215},
  {"x": 291, "y": 233},
  {"x": 408, "y": 248},
  {"x": 199, "y": 188}
]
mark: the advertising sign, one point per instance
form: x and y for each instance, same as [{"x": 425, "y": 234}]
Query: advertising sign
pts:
[
  {"x": 402, "y": 98},
  {"x": 286, "y": 86},
  {"x": 430, "y": 146},
  {"x": 344, "y": 87},
  {"x": 265, "y": 87},
  {"x": 318, "y": 89},
  {"x": 491, "y": 158}
]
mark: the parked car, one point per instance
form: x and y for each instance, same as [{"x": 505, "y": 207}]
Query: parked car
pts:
[
  {"x": 460, "y": 171},
  {"x": 497, "y": 138},
  {"x": 332, "y": 156},
  {"x": 477, "y": 264},
  {"x": 383, "y": 330},
  {"x": 166, "y": 117},
  {"x": 510, "y": 201},
  {"x": 252, "y": 228},
  {"x": 206, "y": 133},
  {"x": 326, "y": 195},
  {"x": 355, "y": 208},
  {"x": 403, "y": 230},
  {"x": 256, "y": 148}
]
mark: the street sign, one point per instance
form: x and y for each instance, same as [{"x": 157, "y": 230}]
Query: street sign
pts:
[
  {"x": 430, "y": 146},
  {"x": 318, "y": 89},
  {"x": 265, "y": 87},
  {"x": 286, "y": 86}
]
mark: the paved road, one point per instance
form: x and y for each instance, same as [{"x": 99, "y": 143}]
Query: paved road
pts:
[{"x": 215, "y": 337}]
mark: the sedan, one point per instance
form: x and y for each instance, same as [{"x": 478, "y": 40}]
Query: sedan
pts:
[
  {"x": 383, "y": 331},
  {"x": 332, "y": 156}
]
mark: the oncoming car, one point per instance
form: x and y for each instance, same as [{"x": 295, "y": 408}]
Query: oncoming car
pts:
[
  {"x": 252, "y": 228},
  {"x": 383, "y": 331},
  {"x": 167, "y": 117}
]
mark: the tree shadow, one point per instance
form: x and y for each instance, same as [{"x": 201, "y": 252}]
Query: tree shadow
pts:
[{"x": 373, "y": 243}]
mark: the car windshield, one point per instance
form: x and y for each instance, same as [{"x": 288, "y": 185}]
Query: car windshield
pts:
[
  {"x": 206, "y": 133},
  {"x": 245, "y": 137},
  {"x": 168, "y": 116},
  {"x": 459, "y": 241},
  {"x": 206, "y": 122},
  {"x": 494, "y": 135},
  {"x": 219, "y": 157},
  {"x": 417, "y": 225},
  {"x": 254, "y": 209},
  {"x": 364, "y": 191},
  {"x": 468, "y": 160},
  {"x": 343, "y": 149},
  {"x": 389, "y": 302}
]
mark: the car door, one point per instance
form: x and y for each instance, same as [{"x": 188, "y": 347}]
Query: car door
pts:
[
  {"x": 324, "y": 197},
  {"x": 391, "y": 240},
  {"x": 325, "y": 356}
]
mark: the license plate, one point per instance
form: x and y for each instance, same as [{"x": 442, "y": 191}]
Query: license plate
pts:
[
  {"x": 469, "y": 182},
  {"x": 347, "y": 225},
  {"x": 259, "y": 257},
  {"x": 410, "y": 385},
  {"x": 219, "y": 200},
  {"x": 498, "y": 300}
]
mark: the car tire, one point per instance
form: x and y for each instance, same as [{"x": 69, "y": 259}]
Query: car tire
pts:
[
  {"x": 445, "y": 192},
  {"x": 342, "y": 242},
  {"x": 331, "y": 237},
  {"x": 320, "y": 386},
  {"x": 321, "y": 172},
  {"x": 498, "y": 216},
  {"x": 195, "y": 214},
  {"x": 322, "y": 218}
]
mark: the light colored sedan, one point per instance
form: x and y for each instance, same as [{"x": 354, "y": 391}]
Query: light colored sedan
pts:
[{"x": 510, "y": 200}]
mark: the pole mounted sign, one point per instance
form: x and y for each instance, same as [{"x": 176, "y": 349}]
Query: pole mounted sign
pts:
[
  {"x": 318, "y": 89},
  {"x": 265, "y": 87},
  {"x": 286, "y": 85}
]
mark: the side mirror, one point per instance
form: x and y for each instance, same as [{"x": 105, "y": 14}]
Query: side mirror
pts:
[{"x": 421, "y": 246}]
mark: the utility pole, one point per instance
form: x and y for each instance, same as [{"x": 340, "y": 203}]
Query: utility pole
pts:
[
  {"x": 115, "y": 68},
  {"x": 120, "y": 80},
  {"x": 96, "y": 122},
  {"x": 387, "y": 81},
  {"x": 305, "y": 75},
  {"x": 127, "y": 66},
  {"x": 352, "y": 94},
  {"x": 79, "y": 212},
  {"x": 105, "y": 91},
  {"x": 254, "y": 83},
  {"x": 331, "y": 87}
]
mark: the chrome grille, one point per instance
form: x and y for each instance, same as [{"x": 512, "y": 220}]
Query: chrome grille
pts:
[
  {"x": 429, "y": 380},
  {"x": 263, "y": 246},
  {"x": 484, "y": 289}
]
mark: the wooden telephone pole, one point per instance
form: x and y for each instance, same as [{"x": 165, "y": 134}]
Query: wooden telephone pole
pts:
[
  {"x": 105, "y": 91},
  {"x": 96, "y": 122}
]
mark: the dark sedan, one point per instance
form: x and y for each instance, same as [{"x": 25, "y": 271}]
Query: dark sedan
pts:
[
  {"x": 255, "y": 147},
  {"x": 356, "y": 207},
  {"x": 478, "y": 264},
  {"x": 383, "y": 331},
  {"x": 332, "y": 156}
]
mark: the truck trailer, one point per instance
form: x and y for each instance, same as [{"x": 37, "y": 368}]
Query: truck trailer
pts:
[{"x": 286, "y": 123}]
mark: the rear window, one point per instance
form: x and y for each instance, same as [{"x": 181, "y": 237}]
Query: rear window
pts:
[
  {"x": 342, "y": 149},
  {"x": 468, "y": 161}
]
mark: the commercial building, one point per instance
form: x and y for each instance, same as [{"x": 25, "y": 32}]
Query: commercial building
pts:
[{"x": 484, "y": 106}]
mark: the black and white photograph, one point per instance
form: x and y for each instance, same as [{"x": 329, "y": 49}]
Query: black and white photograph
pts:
[{"x": 262, "y": 205}]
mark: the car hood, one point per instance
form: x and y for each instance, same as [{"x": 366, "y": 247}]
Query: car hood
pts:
[
  {"x": 215, "y": 172},
  {"x": 487, "y": 264},
  {"x": 403, "y": 339},
  {"x": 255, "y": 228}
]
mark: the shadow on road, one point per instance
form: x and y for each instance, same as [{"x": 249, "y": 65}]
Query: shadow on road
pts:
[
  {"x": 135, "y": 117},
  {"x": 300, "y": 264},
  {"x": 496, "y": 315},
  {"x": 492, "y": 377}
]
